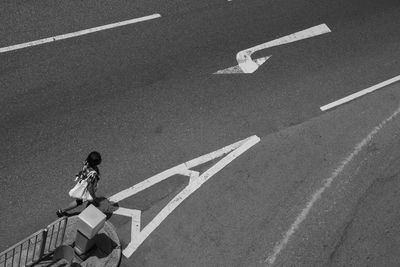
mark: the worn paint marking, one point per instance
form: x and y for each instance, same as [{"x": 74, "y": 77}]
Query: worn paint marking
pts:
[{"x": 270, "y": 260}]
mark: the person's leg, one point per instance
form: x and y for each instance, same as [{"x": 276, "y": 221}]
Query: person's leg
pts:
[
  {"x": 72, "y": 205},
  {"x": 93, "y": 202}
]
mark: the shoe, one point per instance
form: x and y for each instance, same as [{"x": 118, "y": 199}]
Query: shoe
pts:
[{"x": 60, "y": 213}]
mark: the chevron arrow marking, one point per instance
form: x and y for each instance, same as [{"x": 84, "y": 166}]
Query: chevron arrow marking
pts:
[{"x": 139, "y": 232}]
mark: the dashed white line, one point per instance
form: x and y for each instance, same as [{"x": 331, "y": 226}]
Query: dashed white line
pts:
[
  {"x": 78, "y": 33},
  {"x": 270, "y": 260},
  {"x": 360, "y": 93}
]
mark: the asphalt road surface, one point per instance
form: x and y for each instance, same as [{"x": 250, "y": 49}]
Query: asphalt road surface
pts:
[{"x": 145, "y": 96}]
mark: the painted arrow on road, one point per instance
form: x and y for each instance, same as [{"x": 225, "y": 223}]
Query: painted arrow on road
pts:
[
  {"x": 247, "y": 65},
  {"x": 140, "y": 232}
]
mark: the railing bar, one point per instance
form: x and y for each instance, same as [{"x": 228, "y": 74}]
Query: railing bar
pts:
[
  {"x": 13, "y": 251},
  {"x": 27, "y": 251},
  {"x": 47, "y": 228},
  {"x": 34, "y": 249},
  {"x": 20, "y": 243},
  {"x": 58, "y": 232},
  {"x": 20, "y": 255},
  {"x": 12, "y": 260},
  {"x": 43, "y": 244},
  {"x": 48, "y": 248},
  {"x": 64, "y": 229},
  {"x": 51, "y": 237}
]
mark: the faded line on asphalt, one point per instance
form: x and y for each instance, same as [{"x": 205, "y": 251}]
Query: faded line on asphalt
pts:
[
  {"x": 360, "y": 93},
  {"x": 78, "y": 33},
  {"x": 270, "y": 260}
]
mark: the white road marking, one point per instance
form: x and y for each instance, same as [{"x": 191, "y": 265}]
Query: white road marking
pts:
[
  {"x": 238, "y": 70},
  {"x": 125, "y": 212},
  {"x": 247, "y": 65},
  {"x": 360, "y": 93},
  {"x": 179, "y": 169},
  {"x": 270, "y": 260},
  {"x": 146, "y": 183},
  {"x": 196, "y": 181},
  {"x": 136, "y": 219},
  {"x": 78, "y": 33}
]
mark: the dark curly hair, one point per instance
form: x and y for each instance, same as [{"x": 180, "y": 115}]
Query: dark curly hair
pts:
[{"x": 94, "y": 159}]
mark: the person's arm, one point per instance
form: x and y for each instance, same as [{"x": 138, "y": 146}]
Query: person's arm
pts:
[{"x": 92, "y": 184}]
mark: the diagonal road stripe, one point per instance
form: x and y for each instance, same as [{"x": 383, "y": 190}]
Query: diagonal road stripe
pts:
[
  {"x": 78, "y": 33},
  {"x": 360, "y": 93}
]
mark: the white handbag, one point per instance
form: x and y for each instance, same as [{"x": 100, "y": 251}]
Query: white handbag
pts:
[{"x": 80, "y": 191}]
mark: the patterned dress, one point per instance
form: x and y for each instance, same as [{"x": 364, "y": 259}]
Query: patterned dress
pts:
[{"x": 92, "y": 177}]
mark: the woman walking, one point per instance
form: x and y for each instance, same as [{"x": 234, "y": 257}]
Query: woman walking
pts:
[{"x": 87, "y": 179}]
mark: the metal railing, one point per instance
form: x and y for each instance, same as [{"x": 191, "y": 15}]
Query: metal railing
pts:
[
  {"x": 57, "y": 230},
  {"x": 33, "y": 248}
]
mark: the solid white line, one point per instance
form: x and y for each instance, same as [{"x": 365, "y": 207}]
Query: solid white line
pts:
[
  {"x": 78, "y": 33},
  {"x": 360, "y": 93},
  {"x": 317, "y": 195}
]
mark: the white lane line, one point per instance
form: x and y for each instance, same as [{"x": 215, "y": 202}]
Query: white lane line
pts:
[
  {"x": 78, "y": 33},
  {"x": 317, "y": 195},
  {"x": 360, "y": 93}
]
